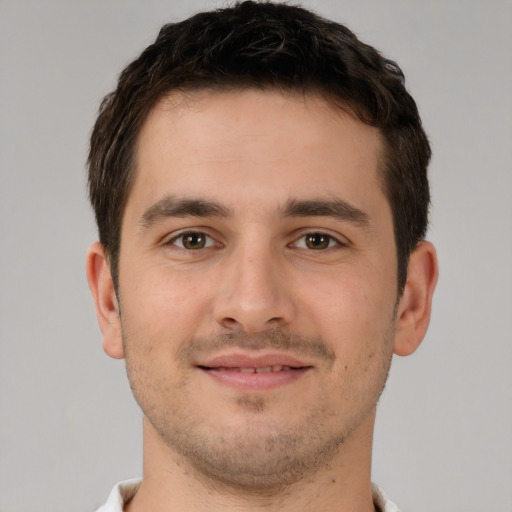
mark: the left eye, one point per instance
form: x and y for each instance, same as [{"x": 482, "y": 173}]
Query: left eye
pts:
[
  {"x": 193, "y": 241},
  {"x": 316, "y": 241}
]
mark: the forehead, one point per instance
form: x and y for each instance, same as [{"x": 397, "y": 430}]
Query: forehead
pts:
[{"x": 255, "y": 145}]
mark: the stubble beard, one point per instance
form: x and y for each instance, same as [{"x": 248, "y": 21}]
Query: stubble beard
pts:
[
  {"x": 252, "y": 458},
  {"x": 259, "y": 455}
]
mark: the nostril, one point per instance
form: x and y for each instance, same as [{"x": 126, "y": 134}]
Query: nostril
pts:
[
  {"x": 232, "y": 322},
  {"x": 229, "y": 322}
]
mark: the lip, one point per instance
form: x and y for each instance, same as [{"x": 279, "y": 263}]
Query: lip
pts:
[
  {"x": 239, "y": 370},
  {"x": 261, "y": 360}
]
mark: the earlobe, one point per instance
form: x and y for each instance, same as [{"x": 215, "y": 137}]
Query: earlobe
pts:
[
  {"x": 413, "y": 315},
  {"x": 105, "y": 300}
]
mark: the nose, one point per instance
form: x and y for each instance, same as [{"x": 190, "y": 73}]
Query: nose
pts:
[{"x": 253, "y": 292}]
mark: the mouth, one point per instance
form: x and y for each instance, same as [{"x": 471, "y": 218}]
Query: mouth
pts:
[
  {"x": 266, "y": 369},
  {"x": 247, "y": 373}
]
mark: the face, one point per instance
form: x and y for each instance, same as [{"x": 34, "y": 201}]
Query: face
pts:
[{"x": 257, "y": 282}]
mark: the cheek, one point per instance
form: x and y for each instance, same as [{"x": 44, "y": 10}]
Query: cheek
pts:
[
  {"x": 360, "y": 331},
  {"x": 356, "y": 319},
  {"x": 354, "y": 305},
  {"x": 160, "y": 308}
]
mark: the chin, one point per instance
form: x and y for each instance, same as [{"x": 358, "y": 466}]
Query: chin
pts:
[{"x": 255, "y": 454}]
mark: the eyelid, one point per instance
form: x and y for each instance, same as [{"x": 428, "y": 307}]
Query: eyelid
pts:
[
  {"x": 339, "y": 240},
  {"x": 171, "y": 240}
]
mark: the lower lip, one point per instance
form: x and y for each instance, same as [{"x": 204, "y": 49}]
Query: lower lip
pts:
[{"x": 256, "y": 381}]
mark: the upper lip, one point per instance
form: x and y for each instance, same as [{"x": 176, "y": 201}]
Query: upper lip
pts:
[{"x": 245, "y": 360}]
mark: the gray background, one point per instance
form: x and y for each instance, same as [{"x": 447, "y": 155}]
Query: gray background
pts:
[{"x": 69, "y": 428}]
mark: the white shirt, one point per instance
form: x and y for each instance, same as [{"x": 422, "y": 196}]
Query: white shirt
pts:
[{"x": 125, "y": 491}]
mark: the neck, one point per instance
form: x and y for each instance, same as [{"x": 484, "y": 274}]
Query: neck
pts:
[{"x": 170, "y": 483}]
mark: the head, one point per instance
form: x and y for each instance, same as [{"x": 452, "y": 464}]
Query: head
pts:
[
  {"x": 264, "y": 46},
  {"x": 259, "y": 180}
]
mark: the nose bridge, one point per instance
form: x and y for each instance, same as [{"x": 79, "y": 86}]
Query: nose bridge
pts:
[{"x": 252, "y": 293}]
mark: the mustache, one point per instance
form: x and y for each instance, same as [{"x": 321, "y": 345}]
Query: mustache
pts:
[{"x": 277, "y": 339}]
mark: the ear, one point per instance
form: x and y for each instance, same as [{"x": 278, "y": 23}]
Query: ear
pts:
[
  {"x": 105, "y": 300},
  {"x": 415, "y": 305}
]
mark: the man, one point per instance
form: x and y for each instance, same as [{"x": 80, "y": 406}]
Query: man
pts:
[{"x": 259, "y": 183}]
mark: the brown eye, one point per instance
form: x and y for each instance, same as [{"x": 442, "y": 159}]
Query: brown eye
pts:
[
  {"x": 317, "y": 241},
  {"x": 193, "y": 241}
]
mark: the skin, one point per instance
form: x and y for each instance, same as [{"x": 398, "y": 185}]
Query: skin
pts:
[{"x": 255, "y": 278}]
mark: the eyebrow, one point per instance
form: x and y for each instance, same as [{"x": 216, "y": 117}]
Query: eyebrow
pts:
[
  {"x": 171, "y": 206},
  {"x": 336, "y": 208}
]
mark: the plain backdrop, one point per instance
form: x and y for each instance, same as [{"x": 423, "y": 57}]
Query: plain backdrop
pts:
[{"x": 69, "y": 427}]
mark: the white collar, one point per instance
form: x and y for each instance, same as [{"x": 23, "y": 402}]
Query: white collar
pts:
[{"x": 125, "y": 491}]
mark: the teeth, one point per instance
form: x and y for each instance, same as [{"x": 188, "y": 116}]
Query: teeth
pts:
[{"x": 266, "y": 369}]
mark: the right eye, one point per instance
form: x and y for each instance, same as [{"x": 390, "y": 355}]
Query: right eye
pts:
[{"x": 192, "y": 241}]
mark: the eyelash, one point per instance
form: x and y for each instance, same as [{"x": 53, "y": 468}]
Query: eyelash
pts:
[
  {"x": 331, "y": 241},
  {"x": 209, "y": 241}
]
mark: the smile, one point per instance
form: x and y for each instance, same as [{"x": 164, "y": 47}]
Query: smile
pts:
[
  {"x": 266, "y": 369},
  {"x": 245, "y": 373}
]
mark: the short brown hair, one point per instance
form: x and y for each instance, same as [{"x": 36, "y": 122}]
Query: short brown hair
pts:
[{"x": 263, "y": 45}]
